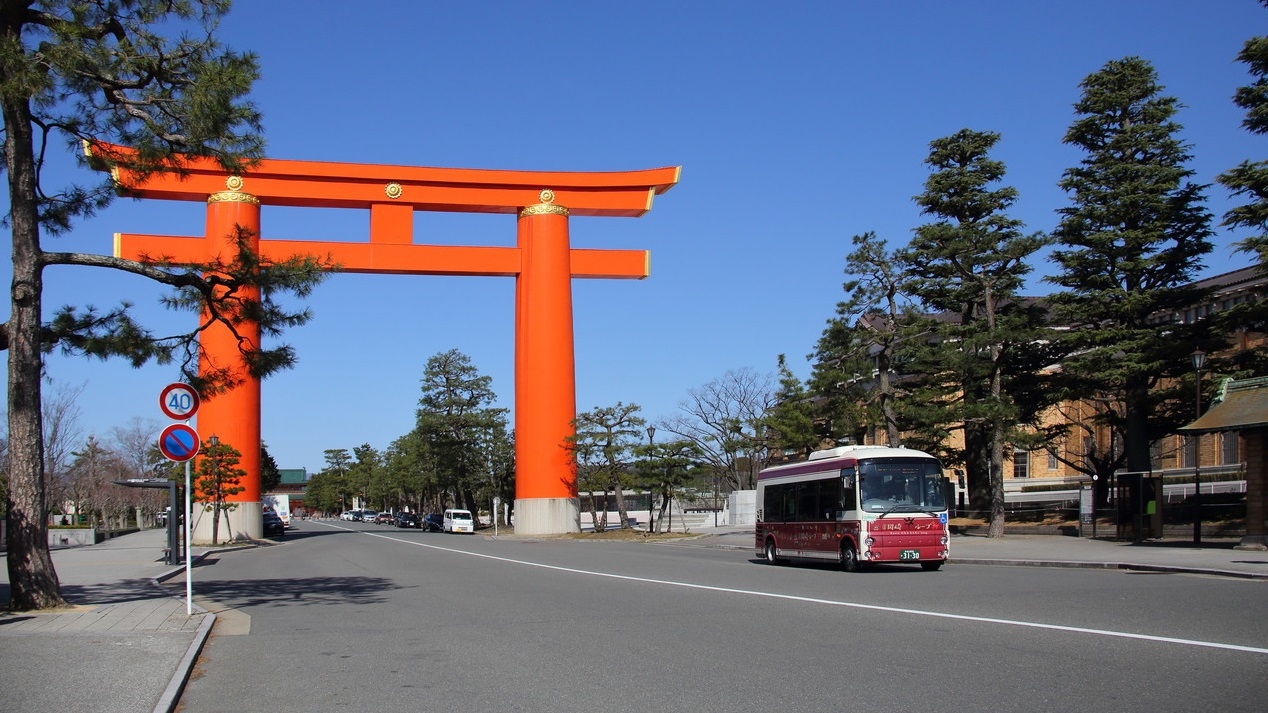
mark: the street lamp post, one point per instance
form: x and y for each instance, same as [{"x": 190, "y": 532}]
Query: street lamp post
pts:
[
  {"x": 651, "y": 442},
  {"x": 1199, "y": 358},
  {"x": 715, "y": 500}
]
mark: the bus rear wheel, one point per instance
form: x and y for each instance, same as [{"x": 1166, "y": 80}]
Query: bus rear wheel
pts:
[
  {"x": 931, "y": 566},
  {"x": 771, "y": 552},
  {"x": 849, "y": 558}
]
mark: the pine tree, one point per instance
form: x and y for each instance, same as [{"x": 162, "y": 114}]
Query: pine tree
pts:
[
  {"x": 460, "y": 425},
  {"x": 604, "y": 444},
  {"x": 1130, "y": 244},
  {"x": 78, "y": 73},
  {"x": 971, "y": 262},
  {"x": 790, "y": 423},
  {"x": 1250, "y": 180},
  {"x": 858, "y": 360},
  {"x": 218, "y": 478}
]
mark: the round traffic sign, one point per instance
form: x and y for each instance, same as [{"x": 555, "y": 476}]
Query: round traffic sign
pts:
[
  {"x": 178, "y": 442},
  {"x": 179, "y": 401}
]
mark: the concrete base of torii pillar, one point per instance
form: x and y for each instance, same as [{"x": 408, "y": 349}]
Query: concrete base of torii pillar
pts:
[
  {"x": 547, "y": 516},
  {"x": 245, "y": 522}
]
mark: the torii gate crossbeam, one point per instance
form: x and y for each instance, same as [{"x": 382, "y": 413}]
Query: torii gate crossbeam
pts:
[{"x": 542, "y": 262}]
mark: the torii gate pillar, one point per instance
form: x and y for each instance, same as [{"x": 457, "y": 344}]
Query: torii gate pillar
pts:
[
  {"x": 222, "y": 416},
  {"x": 544, "y": 372},
  {"x": 543, "y": 263}
]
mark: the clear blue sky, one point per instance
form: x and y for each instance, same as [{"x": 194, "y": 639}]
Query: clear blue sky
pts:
[{"x": 797, "y": 126}]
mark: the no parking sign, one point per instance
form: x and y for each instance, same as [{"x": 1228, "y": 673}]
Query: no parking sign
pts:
[{"x": 178, "y": 442}]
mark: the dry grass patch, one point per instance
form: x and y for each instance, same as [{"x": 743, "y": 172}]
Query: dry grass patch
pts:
[{"x": 613, "y": 534}]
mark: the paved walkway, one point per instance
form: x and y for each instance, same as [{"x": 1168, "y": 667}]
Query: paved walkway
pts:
[
  {"x": 123, "y": 644},
  {"x": 126, "y": 644}
]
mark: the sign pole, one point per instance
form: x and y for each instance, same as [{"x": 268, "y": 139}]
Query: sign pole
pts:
[
  {"x": 189, "y": 563},
  {"x": 179, "y": 442}
]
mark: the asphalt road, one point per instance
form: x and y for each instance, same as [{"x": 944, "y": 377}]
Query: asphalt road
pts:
[{"x": 346, "y": 616}]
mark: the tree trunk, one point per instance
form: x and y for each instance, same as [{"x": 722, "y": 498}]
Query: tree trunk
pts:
[
  {"x": 996, "y": 528},
  {"x": 32, "y": 579},
  {"x": 594, "y": 515},
  {"x": 977, "y": 465},
  {"x": 1137, "y": 427},
  {"x": 620, "y": 506}
]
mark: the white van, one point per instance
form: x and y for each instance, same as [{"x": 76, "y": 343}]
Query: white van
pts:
[{"x": 458, "y": 521}]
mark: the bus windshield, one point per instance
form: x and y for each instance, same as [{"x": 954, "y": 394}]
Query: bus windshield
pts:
[{"x": 901, "y": 485}]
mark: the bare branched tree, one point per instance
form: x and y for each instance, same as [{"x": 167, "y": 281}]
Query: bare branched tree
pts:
[{"x": 723, "y": 419}]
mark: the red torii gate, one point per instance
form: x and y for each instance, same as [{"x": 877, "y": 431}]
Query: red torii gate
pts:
[{"x": 543, "y": 264}]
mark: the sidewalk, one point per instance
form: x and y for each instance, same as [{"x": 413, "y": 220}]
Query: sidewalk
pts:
[
  {"x": 1214, "y": 557},
  {"x": 124, "y": 644}
]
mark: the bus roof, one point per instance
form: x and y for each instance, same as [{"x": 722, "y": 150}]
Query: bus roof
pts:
[
  {"x": 833, "y": 458},
  {"x": 864, "y": 452}
]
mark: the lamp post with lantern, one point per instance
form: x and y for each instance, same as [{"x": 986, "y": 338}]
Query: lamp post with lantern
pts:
[{"x": 1199, "y": 358}]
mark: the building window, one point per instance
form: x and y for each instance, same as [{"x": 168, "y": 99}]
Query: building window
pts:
[
  {"x": 1053, "y": 463},
  {"x": 1021, "y": 464},
  {"x": 1228, "y": 448}
]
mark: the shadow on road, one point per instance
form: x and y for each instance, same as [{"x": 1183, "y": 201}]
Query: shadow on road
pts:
[{"x": 292, "y": 591}]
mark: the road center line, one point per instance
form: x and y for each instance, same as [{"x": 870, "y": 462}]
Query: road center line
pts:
[{"x": 830, "y": 602}]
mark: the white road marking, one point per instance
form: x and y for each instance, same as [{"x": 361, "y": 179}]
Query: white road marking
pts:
[{"x": 831, "y": 602}]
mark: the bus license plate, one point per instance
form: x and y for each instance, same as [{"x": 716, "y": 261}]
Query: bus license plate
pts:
[{"x": 909, "y": 555}]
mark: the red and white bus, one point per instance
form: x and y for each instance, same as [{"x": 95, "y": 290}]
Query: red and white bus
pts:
[{"x": 855, "y": 505}]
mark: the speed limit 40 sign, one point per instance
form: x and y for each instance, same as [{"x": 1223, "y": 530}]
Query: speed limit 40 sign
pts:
[{"x": 179, "y": 401}]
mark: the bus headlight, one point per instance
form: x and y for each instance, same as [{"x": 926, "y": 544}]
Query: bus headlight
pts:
[
  {"x": 943, "y": 541},
  {"x": 869, "y": 541}
]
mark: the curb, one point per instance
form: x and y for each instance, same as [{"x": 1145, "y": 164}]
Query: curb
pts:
[
  {"x": 171, "y": 695},
  {"x": 170, "y": 698},
  {"x": 1129, "y": 566}
]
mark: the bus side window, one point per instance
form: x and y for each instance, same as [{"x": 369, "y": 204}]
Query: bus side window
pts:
[
  {"x": 847, "y": 499},
  {"x": 807, "y": 503}
]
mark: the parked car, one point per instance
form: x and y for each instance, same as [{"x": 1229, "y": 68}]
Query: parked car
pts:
[
  {"x": 273, "y": 524},
  {"x": 408, "y": 519},
  {"x": 368, "y": 515},
  {"x": 384, "y": 518},
  {"x": 456, "y": 520},
  {"x": 433, "y": 522}
]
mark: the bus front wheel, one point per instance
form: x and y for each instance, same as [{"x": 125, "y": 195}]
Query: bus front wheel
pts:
[
  {"x": 771, "y": 557},
  {"x": 849, "y": 558}
]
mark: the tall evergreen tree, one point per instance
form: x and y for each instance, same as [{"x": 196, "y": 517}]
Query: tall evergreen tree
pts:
[
  {"x": 790, "y": 423},
  {"x": 858, "y": 360},
  {"x": 1130, "y": 244},
  {"x": 75, "y": 72},
  {"x": 270, "y": 474},
  {"x": 462, "y": 428},
  {"x": 406, "y": 465},
  {"x": 364, "y": 477},
  {"x": 335, "y": 476},
  {"x": 1250, "y": 180},
  {"x": 971, "y": 262}
]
